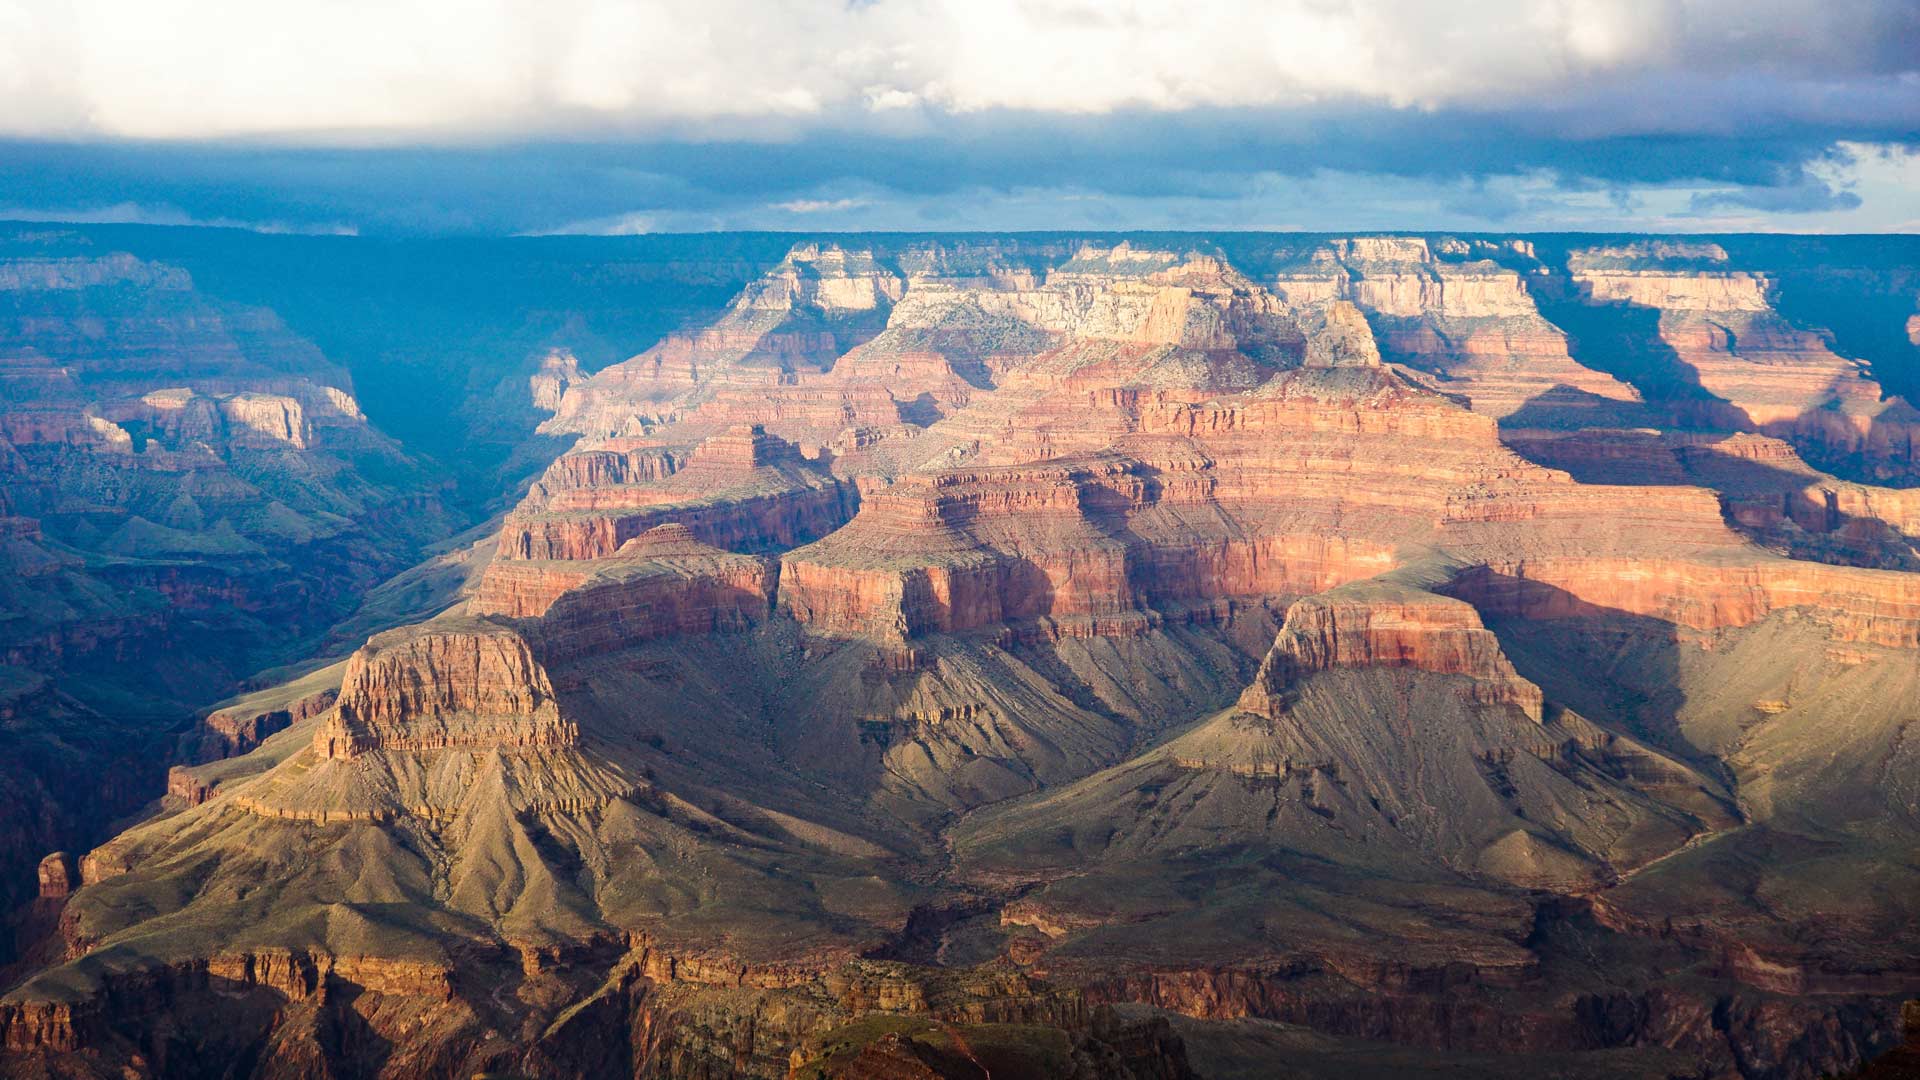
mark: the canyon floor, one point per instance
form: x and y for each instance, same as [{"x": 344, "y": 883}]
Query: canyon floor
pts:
[{"x": 1101, "y": 656}]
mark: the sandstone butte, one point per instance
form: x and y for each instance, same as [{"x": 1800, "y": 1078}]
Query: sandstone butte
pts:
[{"x": 966, "y": 635}]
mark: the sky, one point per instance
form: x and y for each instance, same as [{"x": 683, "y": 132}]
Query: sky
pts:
[{"x": 503, "y": 117}]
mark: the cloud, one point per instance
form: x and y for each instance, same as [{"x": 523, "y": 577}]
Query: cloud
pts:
[
  {"x": 816, "y": 206},
  {"x": 1804, "y": 197},
  {"x": 376, "y": 70},
  {"x": 1326, "y": 200},
  {"x": 631, "y": 223},
  {"x": 132, "y": 213},
  {"x": 1450, "y": 171},
  {"x": 608, "y": 116}
]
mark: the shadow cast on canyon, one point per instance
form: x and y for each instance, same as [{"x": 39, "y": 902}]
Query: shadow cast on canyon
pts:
[
  {"x": 1793, "y": 512},
  {"x": 1624, "y": 341},
  {"x": 1569, "y": 408},
  {"x": 1613, "y": 667}
]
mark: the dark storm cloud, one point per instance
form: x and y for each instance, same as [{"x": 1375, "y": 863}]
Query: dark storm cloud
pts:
[{"x": 1200, "y": 155}]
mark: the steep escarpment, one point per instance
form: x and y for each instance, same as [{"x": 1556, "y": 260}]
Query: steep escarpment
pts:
[
  {"x": 1173, "y": 514},
  {"x": 1379, "y": 626},
  {"x": 659, "y": 584},
  {"x": 1767, "y": 491},
  {"x": 239, "y": 725},
  {"x": 646, "y": 1010},
  {"x": 1866, "y": 606},
  {"x": 816, "y": 304}
]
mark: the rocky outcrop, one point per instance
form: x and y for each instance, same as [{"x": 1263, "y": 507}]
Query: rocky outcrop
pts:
[
  {"x": 58, "y": 876},
  {"x": 923, "y": 519},
  {"x": 612, "y": 463},
  {"x": 1341, "y": 338},
  {"x": 558, "y": 370},
  {"x": 520, "y": 588},
  {"x": 1731, "y": 360},
  {"x": 736, "y": 520},
  {"x": 740, "y": 489},
  {"x": 1462, "y": 313},
  {"x": 50, "y": 273},
  {"x": 290, "y": 976},
  {"x": 1188, "y": 301},
  {"x": 820, "y": 301},
  {"x": 267, "y": 418},
  {"x": 186, "y": 786},
  {"x": 663, "y": 582},
  {"x": 1364, "y": 686},
  {"x": 1366, "y": 626},
  {"x": 1719, "y": 292},
  {"x": 465, "y": 682},
  {"x": 236, "y": 729}
]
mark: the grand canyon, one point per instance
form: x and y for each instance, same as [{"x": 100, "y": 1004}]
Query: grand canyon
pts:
[{"x": 1149, "y": 655}]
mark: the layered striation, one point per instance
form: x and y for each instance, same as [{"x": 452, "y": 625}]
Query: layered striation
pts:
[
  {"x": 739, "y": 489},
  {"x": 660, "y": 584},
  {"x": 1870, "y": 606},
  {"x": 1382, "y": 626},
  {"x": 463, "y": 683},
  {"x": 1464, "y": 312}
]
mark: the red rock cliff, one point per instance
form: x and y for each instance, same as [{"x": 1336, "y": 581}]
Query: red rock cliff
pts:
[
  {"x": 1377, "y": 625},
  {"x": 457, "y": 682}
]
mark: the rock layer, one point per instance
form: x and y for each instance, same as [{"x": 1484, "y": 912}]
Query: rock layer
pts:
[
  {"x": 466, "y": 682},
  {"x": 1374, "y": 626}
]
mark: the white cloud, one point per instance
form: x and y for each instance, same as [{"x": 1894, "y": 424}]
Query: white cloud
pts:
[
  {"x": 371, "y": 69},
  {"x": 819, "y": 206}
]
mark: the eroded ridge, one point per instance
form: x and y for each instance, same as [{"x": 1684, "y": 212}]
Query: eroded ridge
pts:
[{"x": 1382, "y": 626}]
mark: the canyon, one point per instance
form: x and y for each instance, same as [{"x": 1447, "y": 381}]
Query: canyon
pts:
[{"x": 963, "y": 655}]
